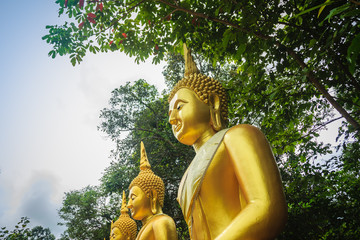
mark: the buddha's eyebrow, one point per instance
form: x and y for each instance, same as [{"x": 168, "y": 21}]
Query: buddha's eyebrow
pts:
[
  {"x": 179, "y": 100},
  {"x": 176, "y": 103}
]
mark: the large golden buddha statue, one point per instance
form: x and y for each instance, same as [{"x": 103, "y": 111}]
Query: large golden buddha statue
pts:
[
  {"x": 124, "y": 228},
  {"x": 146, "y": 199},
  {"x": 232, "y": 189}
]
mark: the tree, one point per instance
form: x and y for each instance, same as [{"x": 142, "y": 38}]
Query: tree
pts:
[
  {"x": 40, "y": 233},
  {"x": 87, "y": 213},
  {"x": 138, "y": 111},
  {"x": 288, "y": 38},
  {"x": 23, "y": 232}
]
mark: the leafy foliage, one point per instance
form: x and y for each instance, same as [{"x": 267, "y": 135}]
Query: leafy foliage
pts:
[
  {"x": 87, "y": 213},
  {"x": 319, "y": 48},
  {"x": 40, "y": 233},
  {"x": 23, "y": 232}
]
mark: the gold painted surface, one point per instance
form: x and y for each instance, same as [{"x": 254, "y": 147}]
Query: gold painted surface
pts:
[
  {"x": 146, "y": 199},
  {"x": 117, "y": 235},
  {"x": 124, "y": 227},
  {"x": 193, "y": 177},
  {"x": 240, "y": 194}
]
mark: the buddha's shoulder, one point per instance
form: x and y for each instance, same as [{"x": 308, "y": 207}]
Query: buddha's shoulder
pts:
[
  {"x": 246, "y": 131},
  {"x": 163, "y": 219}
]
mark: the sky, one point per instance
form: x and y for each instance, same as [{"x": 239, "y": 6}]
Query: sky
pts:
[{"x": 49, "y": 142}]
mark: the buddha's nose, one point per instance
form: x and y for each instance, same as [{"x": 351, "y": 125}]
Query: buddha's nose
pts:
[{"x": 172, "y": 119}]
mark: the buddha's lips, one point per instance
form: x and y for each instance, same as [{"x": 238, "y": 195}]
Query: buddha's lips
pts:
[
  {"x": 132, "y": 212},
  {"x": 177, "y": 127}
]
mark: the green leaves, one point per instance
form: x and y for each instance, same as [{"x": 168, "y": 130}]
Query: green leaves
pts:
[
  {"x": 312, "y": 43},
  {"x": 353, "y": 53},
  {"x": 337, "y": 11},
  {"x": 321, "y": 6},
  {"x": 88, "y": 207},
  {"x": 23, "y": 232}
]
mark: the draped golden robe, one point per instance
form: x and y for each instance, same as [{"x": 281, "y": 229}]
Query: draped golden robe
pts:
[{"x": 190, "y": 187}]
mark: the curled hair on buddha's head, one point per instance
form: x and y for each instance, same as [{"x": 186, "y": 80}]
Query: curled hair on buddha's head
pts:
[
  {"x": 124, "y": 223},
  {"x": 203, "y": 86},
  {"x": 147, "y": 180}
]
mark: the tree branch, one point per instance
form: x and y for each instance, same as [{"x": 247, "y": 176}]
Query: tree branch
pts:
[
  {"x": 321, "y": 88},
  {"x": 151, "y": 131},
  {"x": 310, "y": 75},
  {"x": 146, "y": 105},
  {"x": 347, "y": 72},
  {"x": 201, "y": 15},
  {"x": 355, "y": 2},
  {"x": 125, "y": 12},
  {"x": 323, "y": 125}
]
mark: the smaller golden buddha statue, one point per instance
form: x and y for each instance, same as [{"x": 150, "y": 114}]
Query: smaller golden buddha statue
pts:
[
  {"x": 124, "y": 228},
  {"x": 146, "y": 199}
]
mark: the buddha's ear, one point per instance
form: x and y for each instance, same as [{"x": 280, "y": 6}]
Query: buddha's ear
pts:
[
  {"x": 215, "y": 114},
  {"x": 153, "y": 201}
]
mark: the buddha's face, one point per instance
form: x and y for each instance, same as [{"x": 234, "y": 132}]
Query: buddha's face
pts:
[
  {"x": 116, "y": 234},
  {"x": 189, "y": 116},
  {"x": 139, "y": 204}
]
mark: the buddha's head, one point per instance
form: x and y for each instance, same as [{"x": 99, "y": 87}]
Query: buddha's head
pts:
[
  {"x": 124, "y": 228},
  {"x": 197, "y": 104},
  {"x": 146, "y": 197}
]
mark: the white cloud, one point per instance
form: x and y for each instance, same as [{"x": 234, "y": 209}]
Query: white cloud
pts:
[{"x": 38, "y": 199}]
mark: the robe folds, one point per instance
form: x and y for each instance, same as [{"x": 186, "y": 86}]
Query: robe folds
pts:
[{"x": 190, "y": 185}]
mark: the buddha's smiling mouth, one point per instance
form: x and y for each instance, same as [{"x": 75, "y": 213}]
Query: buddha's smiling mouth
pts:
[
  {"x": 177, "y": 127},
  {"x": 132, "y": 213}
]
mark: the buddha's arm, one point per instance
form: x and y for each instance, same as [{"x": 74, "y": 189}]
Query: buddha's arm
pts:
[
  {"x": 259, "y": 180},
  {"x": 164, "y": 228}
]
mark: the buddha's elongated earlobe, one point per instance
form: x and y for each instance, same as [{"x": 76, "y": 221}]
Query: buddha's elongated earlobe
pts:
[
  {"x": 153, "y": 200},
  {"x": 215, "y": 114}
]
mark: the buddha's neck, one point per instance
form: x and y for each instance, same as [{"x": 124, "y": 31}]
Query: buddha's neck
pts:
[
  {"x": 148, "y": 218},
  {"x": 203, "y": 139}
]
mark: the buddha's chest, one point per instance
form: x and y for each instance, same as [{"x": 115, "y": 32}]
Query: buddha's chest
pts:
[
  {"x": 220, "y": 186},
  {"x": 220, "y": 175},
  {"x": 220, "y": 198},
  {"x": 146, "y": 233}
]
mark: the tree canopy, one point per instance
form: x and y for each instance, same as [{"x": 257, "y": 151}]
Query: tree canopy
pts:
[
  {"x": 23, "y": 232},
  {"x": 316, "y": 40}
]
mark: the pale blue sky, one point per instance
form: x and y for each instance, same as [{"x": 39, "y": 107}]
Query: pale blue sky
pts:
[{"x": 49, "y": 112}]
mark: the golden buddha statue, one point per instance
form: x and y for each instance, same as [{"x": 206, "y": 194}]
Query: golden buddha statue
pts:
[
  {"x": 146, "y": 199},
  {"x": 124, "y": 228},
  {"x": 232, "y": 189}
]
